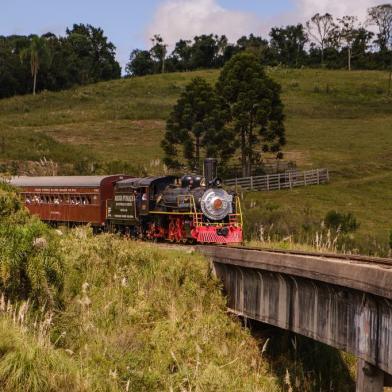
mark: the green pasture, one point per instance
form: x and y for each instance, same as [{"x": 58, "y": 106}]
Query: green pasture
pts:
[{"x": 336, "y": 119}]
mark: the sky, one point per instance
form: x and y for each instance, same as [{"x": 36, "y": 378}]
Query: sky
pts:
[{"x": 129, "y": 24}]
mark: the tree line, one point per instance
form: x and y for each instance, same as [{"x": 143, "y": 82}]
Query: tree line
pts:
[
  {"x": 242, "y": 115},
  {"x": 84, "y": 55},
  {"x": 322, "y": 41}
]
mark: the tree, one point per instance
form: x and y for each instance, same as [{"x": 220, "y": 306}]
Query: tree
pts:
[
  {"x": 256, "y": 110},
  {"x": 288, "y": 44},
  {"x": 159, "y": 51},
  {"x": 94, "y": 57},
  {"x": 37, "y": 54},
  {"x": 348, "y": 32},
  {"x": 205, "y": 50},
  {"x": 182, "y": 54},
  {"x": 256, "y": 45},
  {"x": 320, "y": 28},
  {"x": 381, "y": 16},
  {"x": 140, "y": 63},
  {"x": 196, "y": 124}
]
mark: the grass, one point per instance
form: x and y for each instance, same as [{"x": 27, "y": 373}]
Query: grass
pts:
[
  {"x": 134, "y": 318},
  {"x": 100, "y": 313},
  {"x": 336, "y": 119}
]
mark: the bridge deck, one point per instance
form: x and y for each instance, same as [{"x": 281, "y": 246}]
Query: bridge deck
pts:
[{"x": 370, "y": 275}]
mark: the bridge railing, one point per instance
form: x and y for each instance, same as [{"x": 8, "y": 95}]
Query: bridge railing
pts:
[{"x": 287, "y": 180}]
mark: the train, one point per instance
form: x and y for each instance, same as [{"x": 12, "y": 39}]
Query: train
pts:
[{"x": 191, "y": 208}]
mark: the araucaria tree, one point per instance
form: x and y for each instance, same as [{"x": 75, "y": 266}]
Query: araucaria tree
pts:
[
  {"x": 37, "y": 54},
  {"x": 256, "y": 110},
  {"x": 196, "y": 127}
]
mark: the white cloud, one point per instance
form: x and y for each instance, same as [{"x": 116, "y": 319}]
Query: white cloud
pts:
[
  {"x": 338, "y": 8},
  {"x": 176, "y": 19}
]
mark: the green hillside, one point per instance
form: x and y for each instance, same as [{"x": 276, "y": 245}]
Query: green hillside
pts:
[{"x": 335, "y": 119}]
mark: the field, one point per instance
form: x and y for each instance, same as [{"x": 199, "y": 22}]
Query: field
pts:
[{"x": 335, "y": 119}]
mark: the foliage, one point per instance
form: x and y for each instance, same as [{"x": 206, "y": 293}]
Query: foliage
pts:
[
  {"x": 197, "y": 124},
  {"x": 345, "y": 223},
  {"x": 83, "y": 56},
  {"x": 255, "y": 107},
  {"x": 288, "y": 44},
  {"x": 37, "y": 54},
  {"x": 158, "y": 52},
  {"x": 30, "y": 263},
  {"x": 381, "y": 16},
  {"x": 140, "y": 63}
]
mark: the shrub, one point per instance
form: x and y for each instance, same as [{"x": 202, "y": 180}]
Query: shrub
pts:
[
  {"x": 346, "y": 223},
  {"x": 30, "y": 262}
]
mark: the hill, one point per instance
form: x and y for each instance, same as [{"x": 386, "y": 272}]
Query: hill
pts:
[{"x": 336, "y": 119}]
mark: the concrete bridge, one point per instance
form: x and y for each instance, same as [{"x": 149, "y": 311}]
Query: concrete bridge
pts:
[{"x": 345, "y": 302}]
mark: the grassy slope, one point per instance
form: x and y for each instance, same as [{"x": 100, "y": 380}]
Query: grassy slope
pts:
[
  {"x": 335, "y": 119},
  {"x": 134, "y": 318}
]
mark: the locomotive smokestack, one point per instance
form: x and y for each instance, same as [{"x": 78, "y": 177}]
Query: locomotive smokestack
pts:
[{"x": 210, "y": 169}]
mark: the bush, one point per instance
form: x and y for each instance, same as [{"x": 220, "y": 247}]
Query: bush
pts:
[
  {"x": 346, "y": 223},
  {"x": 30, "y": 263}
]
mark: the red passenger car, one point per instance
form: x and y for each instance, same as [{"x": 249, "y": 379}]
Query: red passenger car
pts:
[{"x": 68, "y": 199}]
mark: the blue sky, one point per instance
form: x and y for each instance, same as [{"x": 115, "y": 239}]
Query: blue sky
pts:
[{"x": 128, "y": 24}]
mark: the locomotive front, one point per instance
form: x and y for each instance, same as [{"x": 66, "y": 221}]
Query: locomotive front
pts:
[
  {"x": 221, "y": 211},
  {"x": 204, "y": 211}
]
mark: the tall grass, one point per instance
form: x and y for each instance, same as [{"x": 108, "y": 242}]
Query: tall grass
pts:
[
  {"x": 28, "y": 360},
  {"x": 153, "y": 320}
]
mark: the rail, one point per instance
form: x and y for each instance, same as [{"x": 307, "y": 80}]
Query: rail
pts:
[{"x": 287, "y": 180}]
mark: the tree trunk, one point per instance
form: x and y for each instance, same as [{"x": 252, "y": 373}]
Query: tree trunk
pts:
[
  {"x": 349, "y": 59},
  {"x": 197, "y": 153},
  {"x": 243, "y": 152},
  {"x": 390, "y": 82},
  {"x": 250, "y": 150},
  {"x": 322, "y": 55},
  {"x": 34, "y": 82}
]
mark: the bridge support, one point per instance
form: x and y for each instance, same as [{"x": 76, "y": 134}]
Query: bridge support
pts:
[{"x": 369, "y": 378}]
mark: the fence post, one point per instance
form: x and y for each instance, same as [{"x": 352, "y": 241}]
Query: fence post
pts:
[
  {"x": 290, "y": 181},
  {"x": 251, "y": 183},
  {"x": 268, "y": 182},
  {"x": 305, "y": 178},
  {"x": 318, "y": 176},
  {"x": 279, "y": 178},
  {"x": 327, "y": 175}
]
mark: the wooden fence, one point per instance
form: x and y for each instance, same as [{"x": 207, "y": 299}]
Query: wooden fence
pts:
[{"x": 288, "y": 180}]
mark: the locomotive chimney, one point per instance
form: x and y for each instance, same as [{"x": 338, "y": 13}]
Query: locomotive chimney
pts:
[{"x": 210, "y": 169}]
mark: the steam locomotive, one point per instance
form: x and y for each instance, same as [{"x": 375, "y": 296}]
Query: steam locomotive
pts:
[{"x": 192, "y": 208}]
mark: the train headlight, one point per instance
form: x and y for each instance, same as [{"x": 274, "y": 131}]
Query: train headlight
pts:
[{"x": 216, "y": 204}]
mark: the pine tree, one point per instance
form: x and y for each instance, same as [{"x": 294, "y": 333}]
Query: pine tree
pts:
[
  {"x": 196, "y": 126},
  {"x": 256, "y": 109}
]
